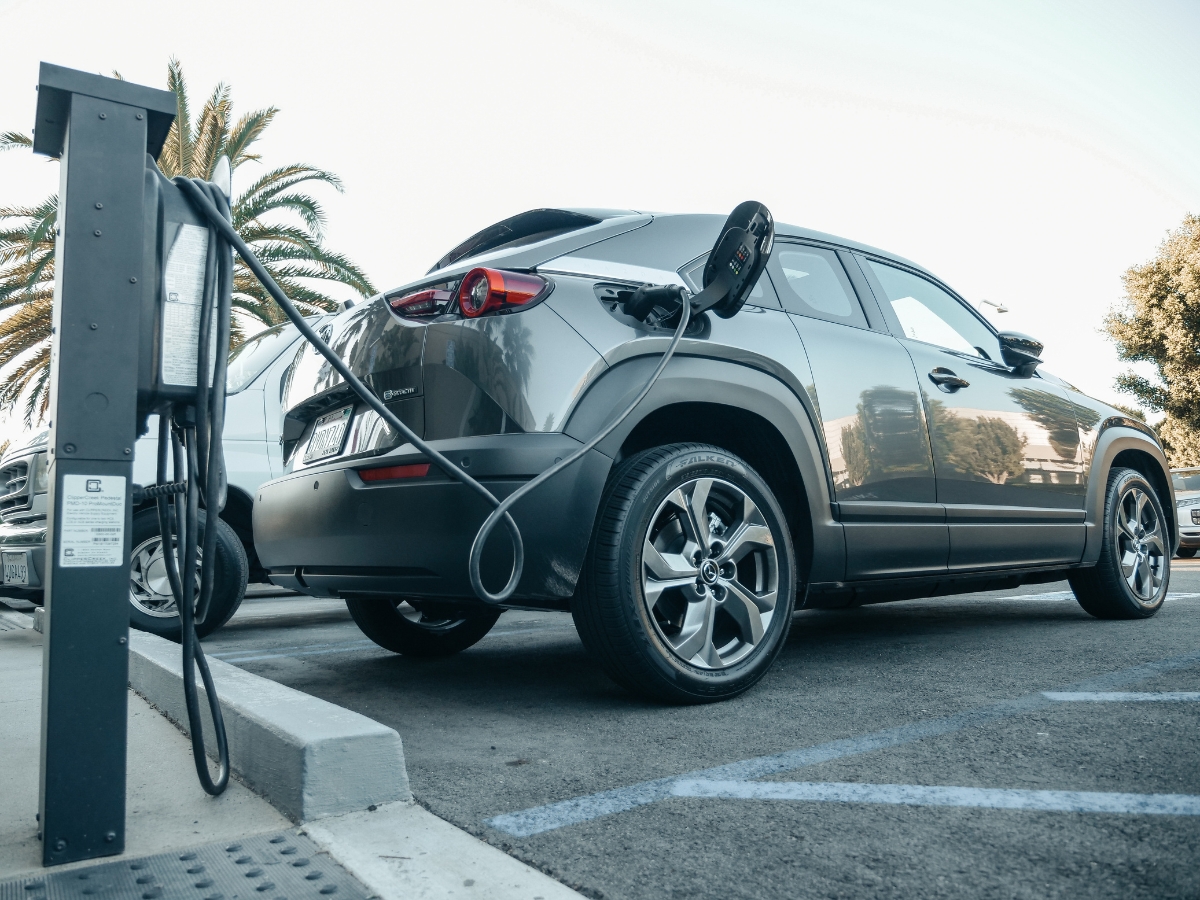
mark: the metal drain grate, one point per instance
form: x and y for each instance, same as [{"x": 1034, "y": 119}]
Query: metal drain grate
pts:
[{"x": 283, "y": 866}]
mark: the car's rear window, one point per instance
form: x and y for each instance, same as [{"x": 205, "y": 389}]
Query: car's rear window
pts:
[
  {"x": 812, "y": 282},
  {"x": 523, "y": 228},
  {"x": 249, "y": 360}
]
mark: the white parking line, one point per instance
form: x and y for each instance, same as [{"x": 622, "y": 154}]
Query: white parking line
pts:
[
  {"x": 921, "y": 795},
  {"x": 1047, "y": 597},
  {"x": 573, "y": 811},
  {"x": 1121, "y": 696},
  {"x": 1065, "y": 596}
]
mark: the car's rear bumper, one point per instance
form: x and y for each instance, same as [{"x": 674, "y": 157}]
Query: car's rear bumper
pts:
[
  {"x": 31, "y": 538},
  {"x": 1189, "y": 537},
  {"x": 326, "y": 532}
]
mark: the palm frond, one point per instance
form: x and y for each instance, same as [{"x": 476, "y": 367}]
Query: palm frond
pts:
[
  {"x": 248, "y": 129},
  {"x": 270, "y": 185},
  {"x": 10, "y": 140},
  {"x": 208, "y": 142},
  {"x": 176, "y": 156}
]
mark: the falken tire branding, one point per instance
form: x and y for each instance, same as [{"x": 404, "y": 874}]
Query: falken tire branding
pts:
[{"x": 704, "y": 457}]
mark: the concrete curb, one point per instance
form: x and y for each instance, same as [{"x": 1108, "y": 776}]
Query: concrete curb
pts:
[
  {"x": 403, "y": 851},
  {"x": 309, "y": 758}
]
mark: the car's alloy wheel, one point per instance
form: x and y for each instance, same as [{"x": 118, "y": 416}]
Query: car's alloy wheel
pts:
[
  {"x": 149, "y": 588},
  {"x": 710, "y": 573},
  {"x": 152, "y": 606},
  {"x": 1141, "y": 544},
  {"x": 689, "y": 582},
  {"x": 1130, "y": 579}
]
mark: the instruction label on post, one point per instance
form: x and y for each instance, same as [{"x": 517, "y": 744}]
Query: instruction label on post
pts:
[
  {"x": 93, "y": 521},
  {"x": 183, "y": 282}
]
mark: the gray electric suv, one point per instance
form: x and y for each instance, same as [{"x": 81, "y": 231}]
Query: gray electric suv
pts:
[{"x": 857, "y": 433}]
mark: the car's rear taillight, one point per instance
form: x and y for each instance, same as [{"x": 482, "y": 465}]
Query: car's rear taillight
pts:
[
  {"x": 393, "y": 473},
  {"x": 428, "y": 302},
  {"x": 486, "y": 291}
]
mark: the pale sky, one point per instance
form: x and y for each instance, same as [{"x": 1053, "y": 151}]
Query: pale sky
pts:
[{"x": 1027, "y": 153}]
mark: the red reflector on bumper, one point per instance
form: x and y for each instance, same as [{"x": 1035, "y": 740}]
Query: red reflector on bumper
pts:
[{"x": 391, "y": 473}]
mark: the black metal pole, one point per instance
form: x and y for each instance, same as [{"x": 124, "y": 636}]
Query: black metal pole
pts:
[{"x": 101, "y": 129}]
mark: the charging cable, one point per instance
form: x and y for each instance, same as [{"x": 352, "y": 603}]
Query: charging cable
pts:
[
  {"x": 192, "y": 432},
  {"x": 668, "y": 295}
]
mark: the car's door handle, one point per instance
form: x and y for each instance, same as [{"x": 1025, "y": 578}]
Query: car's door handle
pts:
[{"x": 947, "y": 381}]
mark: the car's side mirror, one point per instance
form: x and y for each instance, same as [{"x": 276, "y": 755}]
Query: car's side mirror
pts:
[{"x": 1021, "y": 353}]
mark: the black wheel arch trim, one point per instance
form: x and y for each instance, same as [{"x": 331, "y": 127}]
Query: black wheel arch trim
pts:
[
  {"x": 1118, "y": 435},
  {"x": 739, "y": 386}
]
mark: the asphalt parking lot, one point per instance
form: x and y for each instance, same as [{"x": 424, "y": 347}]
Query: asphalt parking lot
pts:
[{"x": 988, "y": 745}]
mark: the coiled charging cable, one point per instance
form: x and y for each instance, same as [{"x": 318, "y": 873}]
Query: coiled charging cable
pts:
[{"x": 193, "y": 432}]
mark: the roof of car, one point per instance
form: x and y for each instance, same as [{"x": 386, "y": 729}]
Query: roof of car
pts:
[
  {"x": 672, "y": 240},
  {"x": 652, "y": 240}
]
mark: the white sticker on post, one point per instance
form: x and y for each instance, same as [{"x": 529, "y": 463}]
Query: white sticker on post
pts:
[
  {"x": 183, "y": 283},
  {"x": 93, "y": 521}
]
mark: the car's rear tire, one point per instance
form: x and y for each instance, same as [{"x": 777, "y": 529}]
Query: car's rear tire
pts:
[
  {"x": 152, "y": 606},
  {"x": 1130, "y": 579},
  {"x": 421, "y": 628},
  {"x": 690, "y": 579},
  {"x": 1185, "y": 552}
]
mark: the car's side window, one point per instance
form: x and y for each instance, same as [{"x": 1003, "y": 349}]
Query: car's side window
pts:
[
  {"x": 811, "y": 282},
  {"x": 929, "y": 314}
]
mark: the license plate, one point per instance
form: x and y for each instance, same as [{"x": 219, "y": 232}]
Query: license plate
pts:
[
  {"x": 328, "y": 435},
  {"x": 16, "y": 568}
]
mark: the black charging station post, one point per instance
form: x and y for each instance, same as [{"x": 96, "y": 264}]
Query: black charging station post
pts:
[{"x": 101, "y": 129}]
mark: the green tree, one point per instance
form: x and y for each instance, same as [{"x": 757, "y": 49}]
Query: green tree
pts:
[
  {"x": 1159, "y": 322},
  {"x": 282, "y": 223}
]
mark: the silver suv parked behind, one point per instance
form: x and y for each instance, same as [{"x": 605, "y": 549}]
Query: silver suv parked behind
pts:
[
  {"x": 256, "y": 375},
  {"x": 1187, "y": 509}
]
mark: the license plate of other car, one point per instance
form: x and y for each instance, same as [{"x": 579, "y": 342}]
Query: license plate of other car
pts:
[
  {"x": 16, "y": 568},
  {"x": 328, "y": 434}
]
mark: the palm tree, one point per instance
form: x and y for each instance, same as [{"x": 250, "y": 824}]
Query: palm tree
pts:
[{"x": 284, "y": 226}]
